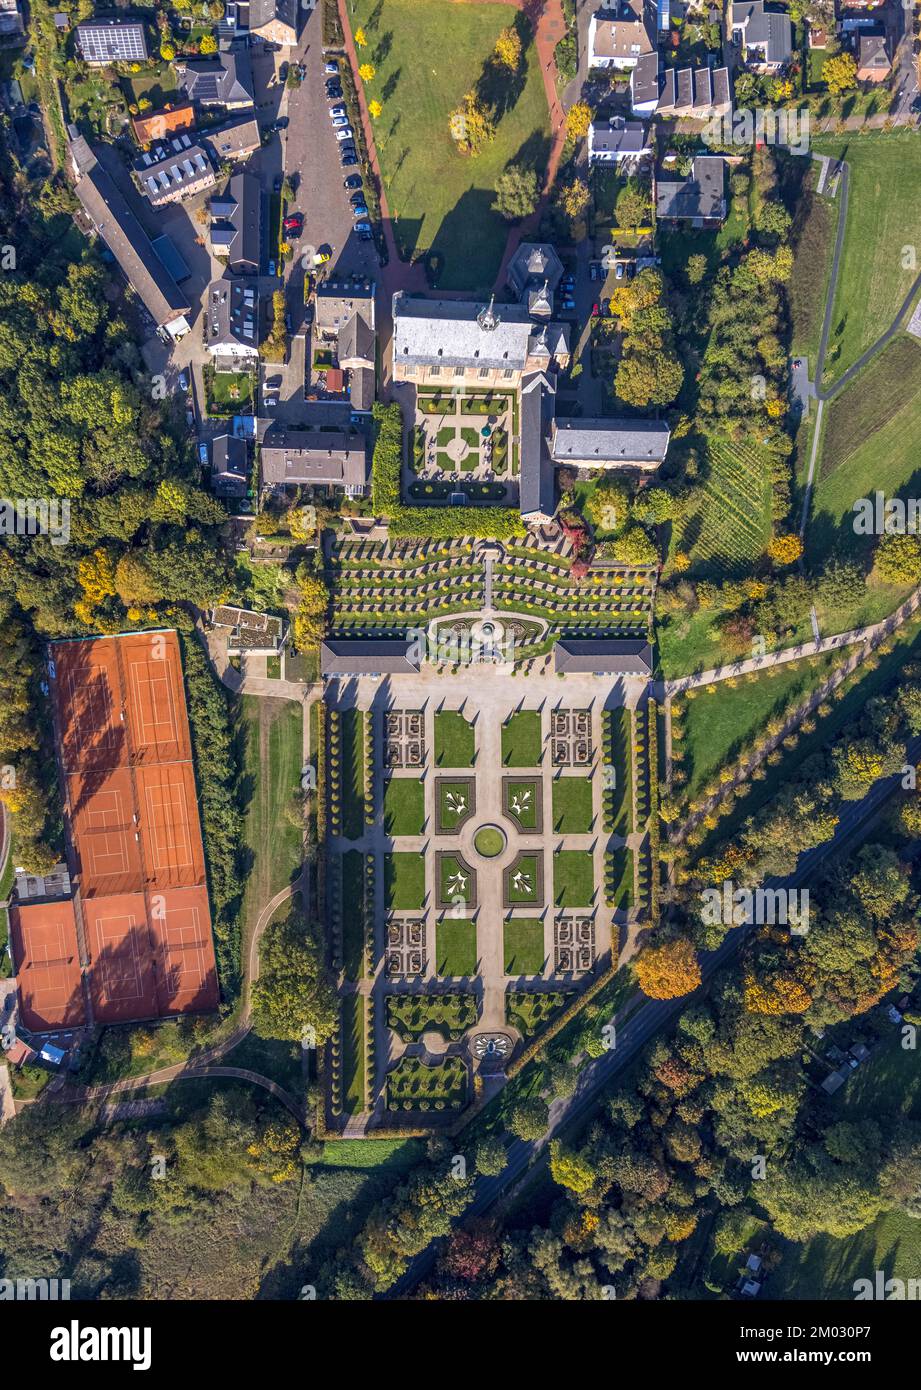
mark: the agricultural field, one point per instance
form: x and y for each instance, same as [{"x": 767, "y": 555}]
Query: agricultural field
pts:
[
  {"x": 436, "y": 193},
  {"x": 812, "y": 238},
  {"x": 875, "y": 274},
  {"x": 732, "y": 527}
]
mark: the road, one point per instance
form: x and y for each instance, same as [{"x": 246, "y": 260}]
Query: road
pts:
[{"x": 652, "y": 1016}]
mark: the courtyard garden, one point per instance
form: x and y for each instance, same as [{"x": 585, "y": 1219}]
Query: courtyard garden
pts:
[
  {"x": 523, "y": 942},
  {"x": 573, "y": 878},
  {"x": 455, "y": 740},
  {"x": 404, "y": 806},
  {"x": 455, "y": 947},
  {"x": 522, "y": 742}
]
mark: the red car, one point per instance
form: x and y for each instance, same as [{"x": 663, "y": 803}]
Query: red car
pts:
[{"x": 294, "y": 224}]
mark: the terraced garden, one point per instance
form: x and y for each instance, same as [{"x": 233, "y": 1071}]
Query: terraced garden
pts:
[
  {"x": 613, "y": 601},
  {"x": 376, "y": 591}
]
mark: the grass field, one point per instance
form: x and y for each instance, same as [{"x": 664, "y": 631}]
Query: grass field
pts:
[
  {"x": 404, "y": 806},
  {"x": 869, "y": 444},
  {"x": 404, "y": 881},
  {"x": 455, "y": 946},
  {"x": 455, "y": 740},
  {"x": 521, "y": 739},
  {"x": 619, "y": 797},
  {"x": 273, "y": 823},
  {"x": 620, "y": 872},
  {"x": 524, "y": 946},
  {"x": 522, "y": 799},
  {"x": 427, "y": 57},
  {"x": 889, "y": 1081},
  {"x": 573, "y": 878},
  {"x": 353, "y": 913},
  {"x": 572, "y": 805},
  {"x": 874, "y": 278},
  {"x": 353, "y": 1053},
  {"x": 393, "y": 1155},
  {"x": 716, "y": 727},
  {"x": 827, "y": 1268},
  {"x": 813, "y": 237},
  {"x": 353, "y": 774},
  {"x": 732, "y": 527}
]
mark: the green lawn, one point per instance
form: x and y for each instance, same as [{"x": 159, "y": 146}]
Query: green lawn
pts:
[
  {"x": 404, "y": 881},
  {"x": 522, "y": 802},
  {"x": 528, "y": 1011},
  {"x": 353, "y": 1053},
  {"x": 404, "y": 806},
  {"x": 573, "y": 878},
  {"x": 273, "y": 821},
  {"x": 455, "y": 740},
  {"x": 524, "y": 946},
  {"x": 888, "y": 1081},
  {"x": 715, "y": 727},
  {"x": 869, "y": 444},
  {"x": 353, "y": 913},
  {"x": 826, "y": 1268},
  {"x": 229, "y": 393},
  {"x": 389, "y": 1154},
  {"x": 453, "y": 804},
  {"x": 620, "y": 877},
  {"x": 353, "y": 775},
  {"x": 451, "y": 871},
  {"x": 427, "y": 57},
  {"x": 618, "y": 798},
  {"x": 521, "y": 739},
  {"x": 572, "y": 805},
  {"x": 455, "y": 946},
  {"x": 526, "y": 891},
  {"x": 873, "y": 278}
]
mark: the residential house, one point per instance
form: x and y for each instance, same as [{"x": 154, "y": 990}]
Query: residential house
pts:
[
  {"x": 232, "y": 325},
  {"x": 609, "y": 443},
  {"x": 236, "y": 225},
  {"x": 463, "y": 343},
  {"x": 345, "y": 325},
  {"x": 367, "y": 657},
  {"x": 159, "y": 125},
  {"x": 766, "y": 34},
  {"x": 112, "y": 218},
  {"x": 223, "y": 81},
  {"x": 873, "y": 62},
  {"x": 11, "y": 23},
  {"x": 698, "y": 198},
  {"x": 103, "y": 41},
  {"x": 603, "y": 657},
  {"x": 699, "y": 93},
  {"x": 274, "y": 20},
  {"x": 230, "y": 470},
  {"x": 610, "y": 142},
  {"x": 620, "y": 35},
  {"x": 534, "y": 272},
  {"x": 250, "y": 634},
  {"x": 238, "y": 139},
  {"x": 336, "y": 459},
  {"x": 172, "y": 170}
]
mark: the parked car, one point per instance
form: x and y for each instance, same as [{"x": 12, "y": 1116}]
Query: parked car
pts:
[
  {"x": 276, "y": 184},
  {"x": 569, "y": 305},
  {"x": 270, "y": 402},
  {"x": 308, "y": 313},
  {"x": 331, "y": 66},
  {"x": 353, "y": 181},
  {"x": 619, "y": 271},
  {"x": 294, "y": 224},
  {"x": 203, "y": 454},
  {"x": 190, "y": 416},
  {"x": 183, "y": 381},
  {"x": 271, "y": 267},
  {"x": 273, "y": 381},
  {"x": 346, "y": 160},
  {"x": 322, "y": 255},
  {"x": 333, "y": 91},
  {"x": 339, "y": 122},
  {"x": 335, "y": 111},
  {"x": 365, "y": 234},
  {"x": 356, "y": 198},
  {"x": 346, "y": 133},
  {"x": 360, "y": 210},
  {"x": 363, "y": 227},
  {"x": 281, "y": 123}
]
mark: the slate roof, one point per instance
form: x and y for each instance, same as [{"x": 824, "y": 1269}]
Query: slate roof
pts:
[
  {"x": 364, "y": 658},
  {"x": 536, "y": 483},
  {"x": 597, "y": 656},
  {"x": 229, "y": 466},
  {"x": 609, "y": 441},
  {"x": 220, "y": 81},
  {"x": 617, "y": 136},
  {"x": 356, "y": 341},
  {"x": 619, "y": 32},
  {"x": 232, "y": 316},
  {"x": 235, "y": 139},
  {"x": 113, "y": 219},
  {"x": 237, "y": 225},
  {"x": 699, "y": 195},
  {"x": 436, "y": 332},
  {"x": 172, "y": 166},
  {"x": 534, "y": 262},
  {"x": 872, "y": 49},
  {"x": 321, "y": 457},
  {"x": 769, "y": 30},
  {"x": 262, "y": 12}
]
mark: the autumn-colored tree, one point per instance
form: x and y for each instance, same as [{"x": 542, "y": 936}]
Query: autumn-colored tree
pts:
[
  {"x": 471, "y": 125},
  {"x": 785, "y": 549},
  {"x": 898, "y": 559},
  {"x": 839, "y": 73},
  {"x": 367, "y": 71},
  {"x": 96, "y": 577},
  {"x": 578, "y": 120},
  {"x": 473, "y": 1253},
  {"x": 375, "y": 108},
  {"x": 360, "y": 37},
  {"x": 574, "y": 197},
  {"x": 669, "y": 970},
  {"x": 208, "y": 44},
  {"x": 569, "y": 1168},
  {"x": 516, "y": 192},
  {"x": 777, "y": 994},
  {"x": 167, "y": 52},
  {"x": 508, "y": 48}
]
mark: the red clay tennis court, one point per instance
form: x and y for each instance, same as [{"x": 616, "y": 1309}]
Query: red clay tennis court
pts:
[
  {"x": 168, "y": 821},
  {"x": 104, "y": 829},
  {"x": 132, "y": 812},
  {"x": 186, "y": 976},
  {"x": 121, "y": 971},
  {"x": 44, "y": 940}
]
